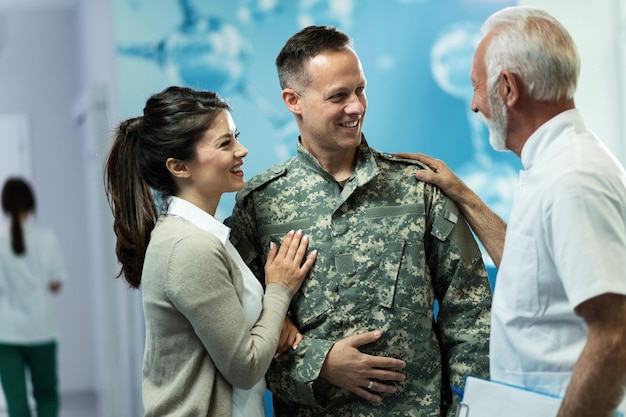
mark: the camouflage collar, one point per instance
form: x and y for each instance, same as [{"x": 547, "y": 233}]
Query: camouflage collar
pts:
[{"x": 366, "y": 167}]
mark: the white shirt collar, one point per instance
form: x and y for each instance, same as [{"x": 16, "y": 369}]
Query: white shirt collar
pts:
[
  {"x": 195, "y": 215},
  {"x": 543, "y": 137}
]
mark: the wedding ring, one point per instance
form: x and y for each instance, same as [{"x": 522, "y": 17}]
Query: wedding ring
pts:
[{"x": 370, "y": 385}]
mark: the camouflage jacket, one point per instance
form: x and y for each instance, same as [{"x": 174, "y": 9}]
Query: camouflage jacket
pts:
[{"x": 390, "y": 249}]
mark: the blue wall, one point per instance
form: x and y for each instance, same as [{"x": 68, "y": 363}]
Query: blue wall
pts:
[{"x": 416, "y": 56}]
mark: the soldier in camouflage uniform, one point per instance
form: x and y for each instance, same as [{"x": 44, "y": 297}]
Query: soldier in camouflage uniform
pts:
[{"x": 390, "y": 247}]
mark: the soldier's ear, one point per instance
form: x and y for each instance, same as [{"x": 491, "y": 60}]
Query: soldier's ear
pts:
[{"x": 292, "y": 100}]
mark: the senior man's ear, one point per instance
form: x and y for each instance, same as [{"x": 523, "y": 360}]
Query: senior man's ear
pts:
[{"x": 509, "y": 88}]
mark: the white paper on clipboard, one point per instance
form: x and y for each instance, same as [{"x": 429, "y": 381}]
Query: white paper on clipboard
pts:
[{"x": 483, "y": 398}]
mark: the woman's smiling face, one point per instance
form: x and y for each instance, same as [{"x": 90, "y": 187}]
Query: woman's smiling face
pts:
[{"x": 217, "y": 166}]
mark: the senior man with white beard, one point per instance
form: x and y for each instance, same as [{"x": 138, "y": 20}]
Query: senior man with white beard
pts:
[{"x": 559, "y": 307}]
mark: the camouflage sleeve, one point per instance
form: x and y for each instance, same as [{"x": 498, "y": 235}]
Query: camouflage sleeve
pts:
[
  {"x": 294, "y": 376},
  {"x": 243, "y": 235},
  {"x": 464, "y": 295}
]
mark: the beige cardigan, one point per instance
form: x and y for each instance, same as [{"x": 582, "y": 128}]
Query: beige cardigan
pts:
[{"x": 197, "y": 341}]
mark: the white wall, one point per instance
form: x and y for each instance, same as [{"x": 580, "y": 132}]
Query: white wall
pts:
[
  {"x": 57, "y": 67},
  {"x": 38, "y": 72},
  {"x": 599, "y": 30},
  {"x": 118, "y": 317}
]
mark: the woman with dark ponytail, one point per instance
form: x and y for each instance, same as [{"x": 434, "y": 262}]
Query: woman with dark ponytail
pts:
[
  {"x": 31, "y": 269},
  {"x": 211, "y": 328}
]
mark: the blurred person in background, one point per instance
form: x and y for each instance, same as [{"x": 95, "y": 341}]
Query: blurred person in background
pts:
[{"x": 31, "y": 271}]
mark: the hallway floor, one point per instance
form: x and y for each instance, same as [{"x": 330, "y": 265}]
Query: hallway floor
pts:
[{"x": 75, "y": 405}]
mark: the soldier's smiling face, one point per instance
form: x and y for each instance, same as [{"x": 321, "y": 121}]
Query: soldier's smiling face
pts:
[{"x": 332, "y": 106}]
